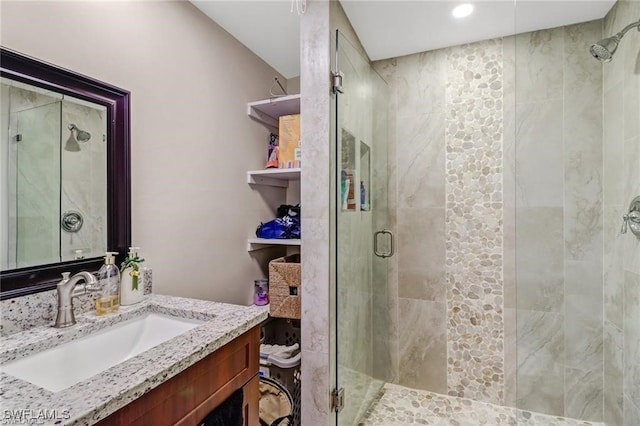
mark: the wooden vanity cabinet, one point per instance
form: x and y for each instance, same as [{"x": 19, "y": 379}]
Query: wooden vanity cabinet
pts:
[{"x": 187, "y": 398}]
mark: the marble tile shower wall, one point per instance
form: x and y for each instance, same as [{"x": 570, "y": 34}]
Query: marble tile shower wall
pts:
[
  {"x": 83, "y": 177},
  {"x": 446, "y": 151},
  {"x": 417, "y": 297},
  {"x": 558, "y": 222},
  {"x": 354, "y": 237},
  {"x": 315, "y": 193},
  {"x": 456, "y": 282},
  {"x": 621, "y": 251},
  {"x": 35, "y": 117}
]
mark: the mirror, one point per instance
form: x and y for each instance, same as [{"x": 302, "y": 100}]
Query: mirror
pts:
[
  {"x": 65, "y": 183},
  {"x": 53, "y": 200}
]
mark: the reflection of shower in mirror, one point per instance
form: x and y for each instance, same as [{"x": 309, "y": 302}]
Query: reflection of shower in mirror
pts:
[
  {"x": 72, "y": 144},
  {"x": 52, "y": 165},
  {"x": 81, "y": 135},
  {"x": 76, "y": 136}
]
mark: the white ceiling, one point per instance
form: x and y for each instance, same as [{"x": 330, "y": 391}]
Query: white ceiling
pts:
[
  {"x": 267, "y": 28},
  {"x": 389, "y": 28}
]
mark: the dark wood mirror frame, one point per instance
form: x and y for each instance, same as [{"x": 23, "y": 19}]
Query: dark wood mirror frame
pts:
[{"x": 15, "y": 66}]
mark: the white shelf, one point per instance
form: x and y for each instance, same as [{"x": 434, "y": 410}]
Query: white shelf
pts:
[
  {"x": 260, "y": 243},
  {"x": 268, "y": 111},
  {"x": 273, "y": 177}
]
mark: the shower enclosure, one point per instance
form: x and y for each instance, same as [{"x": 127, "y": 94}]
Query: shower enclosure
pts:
[
  {"x": 504, "y": 169},
  {"x": 53, "y": 159},
  {"x": 363, "y": 242}
]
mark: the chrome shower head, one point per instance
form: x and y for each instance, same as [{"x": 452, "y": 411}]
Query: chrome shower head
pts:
[
  {"x": 81, "y": 135},
  {"x": 605, "y": 48}
]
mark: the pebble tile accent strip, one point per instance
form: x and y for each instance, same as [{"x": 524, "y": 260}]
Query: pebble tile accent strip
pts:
[
  {"x": 400, "y": 406},
  {"x": 474, "y": 127}
]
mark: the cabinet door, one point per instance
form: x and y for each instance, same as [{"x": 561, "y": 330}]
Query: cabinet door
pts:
[
  {"x": 188, "y": 397},
  {"x": 251, "y": 402}
]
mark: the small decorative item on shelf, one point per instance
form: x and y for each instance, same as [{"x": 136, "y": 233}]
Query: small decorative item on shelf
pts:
[
  {"x": 348, "y": 191},
  {"x": 273, "y": 152},
  {"x": 285, "y": 226},
  {"x": 285, "y": 280},
  {"x": 131, "y": 281},
  {"x": 289, "y": 154},
  {"x": 261, "y": 292}
]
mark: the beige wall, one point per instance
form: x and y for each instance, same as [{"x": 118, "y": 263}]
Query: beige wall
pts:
[
  {"x": 191, "y": 139},
  {"x": 293, "y": 85}
]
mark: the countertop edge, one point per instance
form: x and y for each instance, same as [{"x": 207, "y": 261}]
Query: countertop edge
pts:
[{"x": 93, "y": 399}]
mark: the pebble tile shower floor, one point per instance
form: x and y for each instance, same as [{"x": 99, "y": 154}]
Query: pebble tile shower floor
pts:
[{"x": 399, "y": 406}]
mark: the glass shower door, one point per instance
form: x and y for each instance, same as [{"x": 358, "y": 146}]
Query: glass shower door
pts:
[
  {"x": 37, "y": 186},
  {"x": 363, "y": 242}
]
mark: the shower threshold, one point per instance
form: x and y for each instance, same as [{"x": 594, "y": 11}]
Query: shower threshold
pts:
[{"x": 397, "y": 405}]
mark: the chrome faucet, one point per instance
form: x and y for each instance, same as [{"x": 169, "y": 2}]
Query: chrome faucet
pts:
[{"x": 67, "y": 291}]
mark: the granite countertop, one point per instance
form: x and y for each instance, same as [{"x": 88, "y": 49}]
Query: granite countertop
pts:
[{"x": 91, "y": 400}]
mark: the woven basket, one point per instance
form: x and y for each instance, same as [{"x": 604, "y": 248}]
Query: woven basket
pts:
[{"x": 284, "y": 287}]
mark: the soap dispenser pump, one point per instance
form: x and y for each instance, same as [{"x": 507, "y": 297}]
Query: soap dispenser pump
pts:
[
  {"x": 109, "y": 285},
  {"x": 132, "y": 278}
]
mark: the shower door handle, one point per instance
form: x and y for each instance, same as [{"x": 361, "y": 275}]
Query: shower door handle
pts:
[{"x": 375, "y": 244}]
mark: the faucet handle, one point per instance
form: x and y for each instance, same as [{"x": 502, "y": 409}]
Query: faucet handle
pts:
[{"x": 65, "y": 277}]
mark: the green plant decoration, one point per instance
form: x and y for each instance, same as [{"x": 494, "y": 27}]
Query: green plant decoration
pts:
[{"x": 134, "y": 264}]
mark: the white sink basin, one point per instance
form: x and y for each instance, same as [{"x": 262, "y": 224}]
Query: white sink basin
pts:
[{"x": 72, "y": 362}]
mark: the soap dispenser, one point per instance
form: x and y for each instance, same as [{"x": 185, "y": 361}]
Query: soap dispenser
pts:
[
  {"x": 131, "y": 278},
  {"x": 109, "y": 286}
]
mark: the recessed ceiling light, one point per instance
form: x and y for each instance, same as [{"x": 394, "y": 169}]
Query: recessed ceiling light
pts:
[{"x": 462, "y": 10}]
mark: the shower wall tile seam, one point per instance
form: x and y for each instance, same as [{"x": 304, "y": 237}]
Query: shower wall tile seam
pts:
[
  {"x": 564, "y": 233},
  {"x": 539, "y": 100},
  {"x": 584, "y": 242},
  {"x": 602, "y": 278},
  {"x": 504, "y": 232},
  {"x": 395, "y": 280}
]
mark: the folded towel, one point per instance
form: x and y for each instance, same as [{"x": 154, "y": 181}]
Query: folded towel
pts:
[{"x": 281, "y": 351}]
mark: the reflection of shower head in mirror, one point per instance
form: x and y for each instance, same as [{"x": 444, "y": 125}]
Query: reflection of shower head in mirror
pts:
[
  {"x": 72, "y": 144},
  {"x": 81, "y": 135}
]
